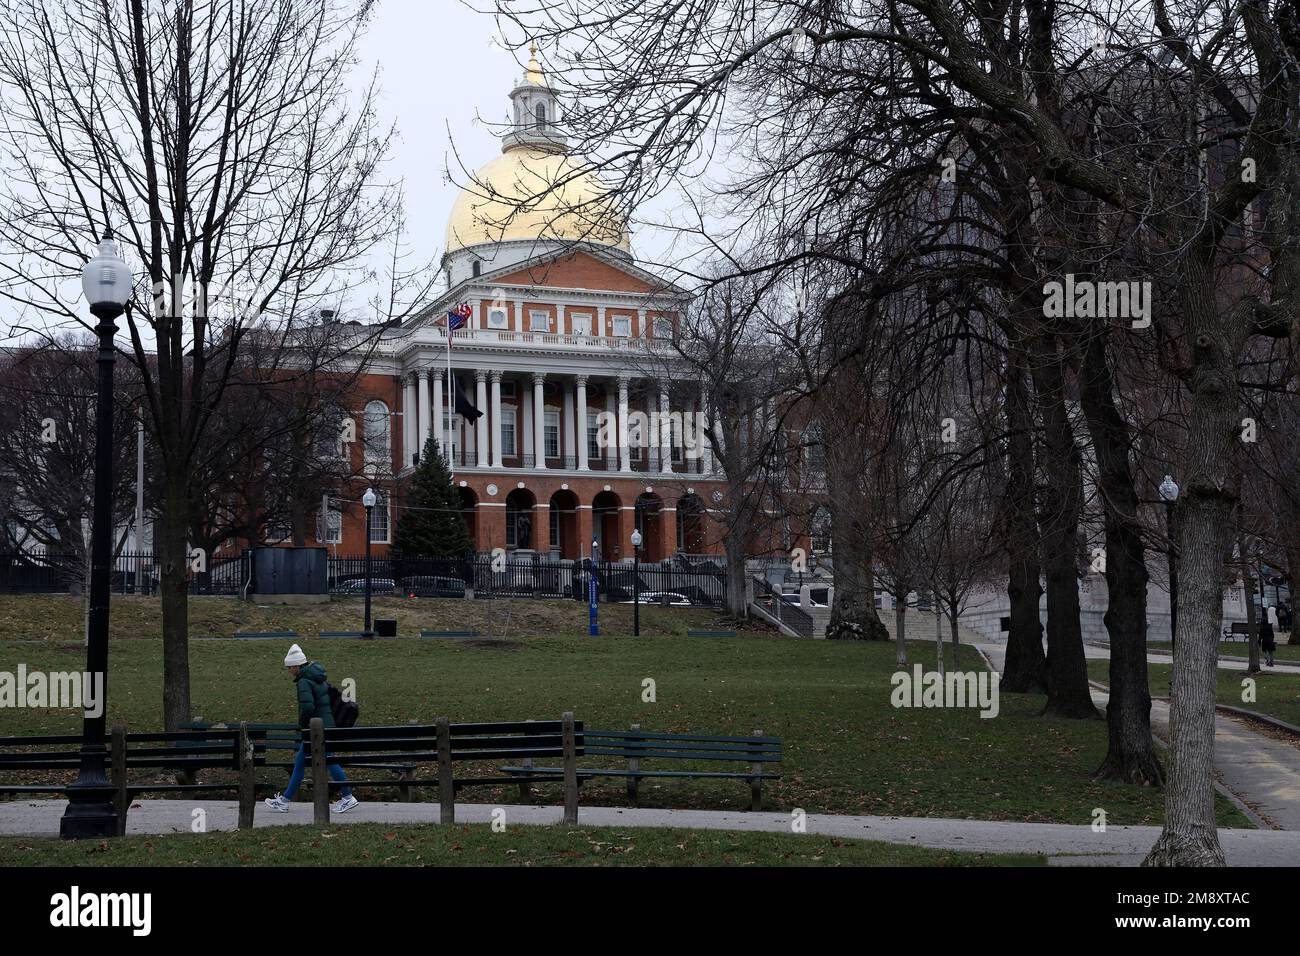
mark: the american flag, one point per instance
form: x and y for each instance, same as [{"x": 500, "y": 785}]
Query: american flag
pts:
[{"x": 457, "y": 318}]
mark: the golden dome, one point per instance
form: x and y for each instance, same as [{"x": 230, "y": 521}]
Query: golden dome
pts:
[{"x": 533, "y": 193}]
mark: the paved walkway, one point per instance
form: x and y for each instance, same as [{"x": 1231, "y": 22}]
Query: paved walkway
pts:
[
  {"x": 1065, "y": 845},
  {"x": 1101, "y": 651},
  {"x": 1261, "y": 771}
]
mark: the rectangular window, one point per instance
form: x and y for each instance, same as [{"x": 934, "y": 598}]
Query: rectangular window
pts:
[
  {"x": 555, "y": 527},
  {"x": 593, "y": 435},
  {"x": 622, "y": 326},
  {"x": 676, "y": 440},
  {"x": 508, "y": 432},
  {"x": 333, "y": 533},
  {"x": 379, "y": 519},
  {"x": 497, "y": 318},
  {"x": 539, "y": 322},
  {"x": 581, "y": 323},
  {"x": 663, "y": 328},
  {"x": 552, "y": 429}
]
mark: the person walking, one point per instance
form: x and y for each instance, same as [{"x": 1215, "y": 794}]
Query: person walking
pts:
[
  {"x": 1267, "y": 643},
  {"x": 313, "y": 701}
]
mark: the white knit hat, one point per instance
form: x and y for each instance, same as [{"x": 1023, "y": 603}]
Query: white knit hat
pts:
[{"x": 295, "y": 656}]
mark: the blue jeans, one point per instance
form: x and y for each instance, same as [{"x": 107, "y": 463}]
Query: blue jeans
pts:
[{"x": 300, "y": 770}]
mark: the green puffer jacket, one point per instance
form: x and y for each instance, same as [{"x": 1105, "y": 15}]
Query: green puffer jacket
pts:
[{"x": 313, "y": 696}]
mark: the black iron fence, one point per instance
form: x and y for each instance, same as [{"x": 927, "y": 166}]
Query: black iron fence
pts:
[
  {"x": 133, "y": 572},
  {"x": 484, "y": 576}
]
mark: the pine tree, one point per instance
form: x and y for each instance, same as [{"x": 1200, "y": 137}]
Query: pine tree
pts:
[{"x": 431, "y": 523}]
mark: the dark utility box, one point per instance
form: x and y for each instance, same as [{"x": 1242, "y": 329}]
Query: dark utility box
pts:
[{"x": 385, "y": 627}]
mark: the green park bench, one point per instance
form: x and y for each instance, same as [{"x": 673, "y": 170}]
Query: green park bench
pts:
[
  {"x": 428, "y": 633},
  {"x": 1238, "y": 630},
  {"x": 699, "y": 633},
  {"x": 637, "y": 746},
  {"x": 265, "y": 635},
  {"x": 341, "y": 634},
  {"x": 445, "y": 744}
]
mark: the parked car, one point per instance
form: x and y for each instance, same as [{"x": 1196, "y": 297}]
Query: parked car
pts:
[
  {"x": 433, "y": 586},
  {"x": 657, "y": 597},
  {"x": 358, "y": 586}
]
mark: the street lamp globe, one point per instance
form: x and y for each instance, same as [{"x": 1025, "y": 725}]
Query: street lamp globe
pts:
[
  {"x": 1169, "y": 489},
  {"x": 636, "y": 538},
  {"x": 106, "y": 279},
  {"x": 369, "y": 499}
]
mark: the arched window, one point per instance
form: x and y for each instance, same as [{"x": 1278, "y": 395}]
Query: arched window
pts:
[
  {"x": 540, "y": 112},
  {"x": 376, "y": 434}
]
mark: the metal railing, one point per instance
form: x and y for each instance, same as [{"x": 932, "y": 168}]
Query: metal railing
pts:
[
  {"x": 133, "y": 572},
  {"x": 774, "y": 602}
]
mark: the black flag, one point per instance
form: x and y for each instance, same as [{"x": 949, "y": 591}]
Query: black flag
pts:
[{"x": 463, "y": 405}]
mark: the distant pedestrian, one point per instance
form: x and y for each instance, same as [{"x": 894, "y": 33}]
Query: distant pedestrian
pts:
[
  {"x": 1266, "y": 642},
  {"x": 313, "y": 701}
]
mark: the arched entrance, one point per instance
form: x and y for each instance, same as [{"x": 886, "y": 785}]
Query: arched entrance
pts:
[
  {"x": 607, "y": 525},
  {"x": 690, "y": 524},
  {"x": 564, "y": 524},
  {"x": 519, "y": 520},
  {"x": 649, "y": 515}
]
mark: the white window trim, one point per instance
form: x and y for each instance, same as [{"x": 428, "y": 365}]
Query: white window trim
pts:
[
  {"x": 551, "y": 417},
  {"x": 627, "y": 322},
  {"x": 384, "y": 503},
  {"x": 575, "y": 317},
  {"x": 498, "y": 319},
  {"x": 509, "y": 437},
  {"x": 536, "y": 315}
]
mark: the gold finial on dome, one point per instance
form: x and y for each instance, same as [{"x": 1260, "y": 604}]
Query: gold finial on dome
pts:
[{"x": 534, "y": 74}]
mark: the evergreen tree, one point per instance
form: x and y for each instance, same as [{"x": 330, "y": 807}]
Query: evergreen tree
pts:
[{"x": 431, "y": 522}]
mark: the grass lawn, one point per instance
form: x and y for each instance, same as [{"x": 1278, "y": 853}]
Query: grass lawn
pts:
[
  {"x": 60, "y": 617},
  {"x": 1277, "y": 695},
  {"x": 846, "y": 748},
  {"x": 378, "y": 844},
  {"x": 1285, "y": 652}
]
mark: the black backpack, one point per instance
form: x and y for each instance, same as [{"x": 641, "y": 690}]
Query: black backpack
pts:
[{"x": 345, "y": 711}]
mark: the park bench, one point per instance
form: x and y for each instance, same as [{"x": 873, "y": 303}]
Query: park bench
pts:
[
  {"x": 1239, "y": 629},
  {"x": 637, "y": 746},
  {"x": 341, "y": 634},
  {"x": 445, "y": 744},
  {"x": 428, "y": 633},
  {"x": 699, "y": 633},
  {"x": 286, "y": 738},
  {"x": 180, "y": 752},
  {"x": 266, "y": 635}
]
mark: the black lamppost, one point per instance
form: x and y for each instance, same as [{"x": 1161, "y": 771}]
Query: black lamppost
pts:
[
  {"x": 636, "y": 582},
  {"x": 1169, "y": 492},
  {"x": 368, "y": 499},
  {"x": 106, "y": 281}
]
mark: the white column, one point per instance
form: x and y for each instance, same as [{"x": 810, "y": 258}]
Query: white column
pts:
[
  {"x": 640, "y": 323},
  {"x": 581, "y": 382},
  {"x": 481, "y": 432},
  {"x": 665, "y": 433},
  {"x": 539, "y": 418},
  {"x": 710, "y": 463},
  {"x": 439, "y": 413},
  {"x": 423, "y": 383},
  {"x": 625, "y": 463},
  {"x": 705, "y": 449},
  {"x": 496, "y": 420},
  {"x": 524, "y": 420},
  {"x": 568, "y": 428},
  {"x": 649, "y": 438},
  {"x": 610, "y": 451},
  {"x": 410, "y": 420}
]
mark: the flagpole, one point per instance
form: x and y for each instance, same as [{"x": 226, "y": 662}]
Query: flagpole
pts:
[{"x": 451, "y": 399}]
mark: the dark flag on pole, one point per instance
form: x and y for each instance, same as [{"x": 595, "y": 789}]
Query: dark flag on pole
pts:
[{"x": 463, "y": 405}]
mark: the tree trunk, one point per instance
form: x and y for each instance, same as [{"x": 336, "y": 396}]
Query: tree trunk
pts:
[
  {"x": 1130, "y": 755},
  {"x": 853, "y": 614},
  {"x": 900, "y": 632},
  {"x": 1068, "y": 694},
  {"x": 736, "y": 584},
  {"x": 175, "y": 604},
  {"x": 1205, "y": 520},
  {"x": 1026, "y": 666},
  {"x": 952, "y": 627}
]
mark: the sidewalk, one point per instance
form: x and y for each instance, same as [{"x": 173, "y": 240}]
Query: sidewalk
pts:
[
  {"x": 1065, "y": 845},
  {"x": 1261, "y": 771}
]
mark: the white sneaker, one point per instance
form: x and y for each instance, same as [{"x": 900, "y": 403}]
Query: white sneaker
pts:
[
  {"x": 344, "y": 805},
  {"x": 278, "y": 803}
]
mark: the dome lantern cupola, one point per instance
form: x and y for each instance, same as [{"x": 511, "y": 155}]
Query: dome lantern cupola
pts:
[{"x": 535, "y": 121}]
